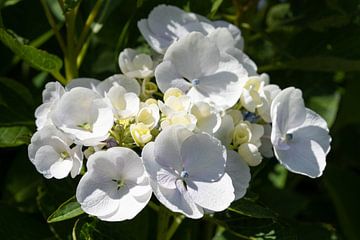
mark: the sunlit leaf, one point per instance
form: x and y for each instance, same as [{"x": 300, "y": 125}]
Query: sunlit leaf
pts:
[
  {"x": 14, "y": 136},
  {"x": 251, "y": 209},
  {"x": 36, "y": 58},
  {"x": 69, "y": 209}
]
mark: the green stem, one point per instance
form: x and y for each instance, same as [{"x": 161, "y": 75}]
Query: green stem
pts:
[
  {"x": 71, "y": 70},
  {"x": 94, "y": 12},
  {"x": 54, "y": 26},
  {"x": 144, "y": 95},
  {"x": 153, "y": 206},
  {"x": 58, "y": 76},
  {"x": 163, "y": 223},
  {"x": 174, "y": 226}
]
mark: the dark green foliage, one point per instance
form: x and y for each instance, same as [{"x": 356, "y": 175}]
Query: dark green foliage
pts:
[{"x": 312, "y": 45}]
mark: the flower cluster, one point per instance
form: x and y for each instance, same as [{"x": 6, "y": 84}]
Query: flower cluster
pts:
[{"x": 192, "y": 142}]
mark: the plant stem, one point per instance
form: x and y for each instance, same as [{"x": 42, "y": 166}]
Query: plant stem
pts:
[
  {"x": 174, "y": 226},
  {"x": 54, "y": 26},
  {"x": 71, "y": 69},
  {"x": 94, "y": 12},
  {"x": 163, "y": 223},
  {"x": 59, "y": 77}
]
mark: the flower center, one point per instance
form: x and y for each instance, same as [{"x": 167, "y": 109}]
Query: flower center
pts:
[
  {"x": 120, "y": 183},
  {"x": 195, "y": 82},
  {"x": 184, "y": 174},
  {"x": 86, "y": 127},
  {"x": 289, "y": 137},
  {"x": 64, "y": 155}
]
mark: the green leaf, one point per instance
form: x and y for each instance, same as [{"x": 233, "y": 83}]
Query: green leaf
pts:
[
  {"x": 278, "y": 176},
  {"x": 251, "y": 209},
  {"x": 326, "y": 105},
  {"x": 69, "y": 209},
  {"x": 36, "y": 58},
  {"x": 14, "y": 136},
  {"x": 253, "y": 228},
  {"x": 215, "y": 7}
]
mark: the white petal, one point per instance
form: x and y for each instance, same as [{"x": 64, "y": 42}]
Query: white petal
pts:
[
  {"x": 225, "y": 131},
  {"x": 235, "y": 31},
  {"x": 215, "y": 196},
  {"x": 148, "y": 157},
  {"x": 129, "y": 84},
  {"x": 193, "y": 56},
  {"x": 53, "y": 91},
  {"x": 60, "y": 169},
  {"x": 128, "y": 208},
  {"x": 166, "y": 179},
  {"x": 167, "y": 149},
  {"x": 266, "y": 148},
  {"x": 223, "y": 38},
  {"x": 77, "y": 160},
  {"x": 239, "y": 172},
  {"x": 89, "y": 83},
  {"x": 250, "y": 153},
  {"x": 288, "y": 110},
  {"x": 45, "y": 157},
  {"x": 167, "y": 77},
  {"x": 158, "y": 43},
  {"x": 304, "y": 157},
  {"x": 200, "y": 152},
  {"x": 244, "y": 60},
  {"x": 97, "y": 195}
]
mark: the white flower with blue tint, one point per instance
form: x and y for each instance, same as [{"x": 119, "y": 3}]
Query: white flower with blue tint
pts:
[
  {"x": 300, "y": 136},
  {"x": 136, "y": 65},
  {"x": 187, "y": 172},
  {"x": 51, "y": 154},
  {"x": 195, "y": 65},
  {"x": 50, "y": 96},
  {"x": 125, "y": 104},
  {"x": 115, "y": 186},
  {"x": 167, "y": 24},
  {"x": 85, "y": 115}
]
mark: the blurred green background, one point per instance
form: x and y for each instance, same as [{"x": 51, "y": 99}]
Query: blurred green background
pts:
[{"x": 312, "y": 45}]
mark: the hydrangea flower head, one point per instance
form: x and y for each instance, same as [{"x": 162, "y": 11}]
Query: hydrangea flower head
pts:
[
  {"x": 187, "y": 171},
  {"x": 300, "y": 136},
  {"x": 115, "y": 187}
]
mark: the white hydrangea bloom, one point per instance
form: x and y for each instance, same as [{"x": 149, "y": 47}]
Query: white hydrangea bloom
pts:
[
  {"x": 225, "y": 131},
  {"x": 125, "y": 104},
  {"x": 300, "y": 137},
  {"x": 136, "y": 65},
  {"x": 51, "y": 154},
  {"x": 148, "y": 114},
  {"x": 129, "y": 84},
  {"x": 195, "y": 65},
  {"x": 141, "y": 133},
  {"x": 167, "y": 24},
  {"x": 50, "y": 96},
  {"x": 176, "y": 110},
  {"x": 115, "y": 187},
  {"x": 208, "y": 119},
  {"x": 247, "y": 138},
  {"x": 89, "y": 83},
  {"x": 85, "y": 115},
  {"x": 267, "y": 95},
  {"x": 239, "y": 172},
  {"x": 176, "y": 162}
]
